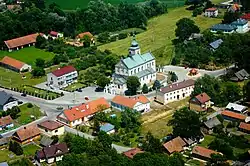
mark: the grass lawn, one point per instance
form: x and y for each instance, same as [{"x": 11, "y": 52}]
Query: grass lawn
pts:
[
  {"x": 74, "y": 86},
  {"x": 28, "y": 55},
  {"x": 6, "y": 155},
  {"x": 26, "y": 112},
  {"x": 207, "y": 140},
  {"x": 159, "y": 35},
  {"x": 30, "y": 150},
  {"x": 194, "y": 163}
]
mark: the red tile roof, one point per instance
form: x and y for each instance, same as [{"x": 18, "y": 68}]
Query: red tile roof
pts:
[
  {"x": 244, "y": 126},
  {"x": 175, "y": 145},
  {"x": 53, "y": 33},
  {"x": 246, "y": 16},
  {"x": 50, "y": 125},
  {"x": 6, "y": 120},
  {"x": 12, "y": 62},
  {"x": 202, "y": 98},
  {"x": 27, "y": 132},
  {"x": 211, "y": 9},
  {"x": 233, "y": 115},
  {"x": 86, "y": 109},
  {"x": 204, "y": 152},
  {"x": 63, "y": 71},
  {"x": 21, "y": 41},
  {"x": 129, "y": 101},
  {"x": 132, "y": 152},
  {"x": 81, "y": 35},
  {"x": 177, "y": 86}
]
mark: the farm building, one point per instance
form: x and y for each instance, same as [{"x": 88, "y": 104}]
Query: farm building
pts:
[{"x": 14, "y": 64}]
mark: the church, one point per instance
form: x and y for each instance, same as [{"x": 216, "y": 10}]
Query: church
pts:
[{"x": 136, "y": 64}]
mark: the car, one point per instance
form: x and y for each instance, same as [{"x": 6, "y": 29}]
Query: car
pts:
[
  {"x": 24, "y": 94},
  {"x": 98, "y": 89},
  {"x": 79, "y": 90},
  {"x": 19, "y": 102}
]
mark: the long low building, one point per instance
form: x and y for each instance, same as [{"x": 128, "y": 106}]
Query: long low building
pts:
[{"x": 14, "y": 64}]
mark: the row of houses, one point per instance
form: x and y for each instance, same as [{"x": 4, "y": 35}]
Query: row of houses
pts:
[{"x": 239, "y": 26}]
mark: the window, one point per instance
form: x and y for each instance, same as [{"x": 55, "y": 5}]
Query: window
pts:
[
  {"x": 131, "y": 72},
  {"x": 134, "y": 70},
  {"x": 46, "y": 130},
  {"x": 56, "y": 131},
  {"x": 138, "y": 69}
]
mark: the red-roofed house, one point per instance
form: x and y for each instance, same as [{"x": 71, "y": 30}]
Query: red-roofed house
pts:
[
  {"x": 175, "y": 145},
  {"x": 81, "y": 35},
  {"x": 245, "y": 127},
  {"x": 6, "y": 122},
  {"x": 233, "y": 116},
  {"x": 14, "y": 64},
  {"x": 138, "y": 103},
  {"x": 132, "y": 152},
  {"x": 200, "y": 102},
  {"x": 211, "y": 12},
  {"x": 203, "y": 153},
  {"x": 62, "y": 77},
  {"x": 55, "y": 34},
  {"x": 20, "y": 42},
  {"x": 82, "y": 113}
]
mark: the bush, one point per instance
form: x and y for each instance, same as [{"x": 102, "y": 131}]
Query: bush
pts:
[
  {"x": 30, "y": 105},
  {"x": 122, "y": 36}
]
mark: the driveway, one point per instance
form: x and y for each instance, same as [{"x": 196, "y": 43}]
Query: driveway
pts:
[{"x": 45, "y": 87}]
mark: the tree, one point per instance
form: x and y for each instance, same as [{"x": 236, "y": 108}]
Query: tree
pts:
[
  {"x": 96, "y": 125},
  {"x": 86, "y": 41},
  {"x": 174, "y": 77},
  {"x": 130, "y": 119},
  {"x": 40, "y": 42},
  {"x": 105, "y": 139},
  {"x": 229, "y": 17},
  {"x": 185, "y": 27},
  {"x": 231, "y": 92},
  {"x": 37, "y": 72},
  {"x": 145, "y": 89},
  {"x": 15, "y": 148},
  {"x": 156, "y": 85},
  {"x": 186, "y": 123},
  {"x": 103, "y": 37},
  {"x": 55, "y": 139},
  {"x": 102, "y": 81},
  {"x": 218, "y": 160},
  {"x": 152, "y": 144},
  {"x": 246, "y": 91},
  {"x": 40, "y": 62},
  {"x": 221, "y": 146},
  {"x": 133, "y": 84}
]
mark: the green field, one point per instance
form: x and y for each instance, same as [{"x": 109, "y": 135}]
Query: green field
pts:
[
  {"x": 30, "y": 150},
  {"x": 159, "y": 35},
  {"x": 28, "y": 55}
]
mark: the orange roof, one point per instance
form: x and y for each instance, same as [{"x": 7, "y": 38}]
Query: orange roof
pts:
[
  {"x": 175, "y": 145},
  {"x": 6, "y": 120},
  {"x": 202, "y": 98},
  {"x": 233, "y": 115},
  {"x": 86, "y": 109},
  {"x": 201, "y": 151},
  {"x": 27, "y": 132},
  {"x": 21, "y": 41},
  {"x": 12, "y": 62},
  {"x": 211, "y": 9},
  {"x": 130, "y": 101},
  {"x": 132, "y": 152},
  {"x": 244, "y": 126},
  {"x": 81, "y": 35}
]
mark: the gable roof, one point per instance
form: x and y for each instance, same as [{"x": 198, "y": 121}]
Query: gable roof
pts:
[
  {"x": 177, "y": 86},
  {"x": 129, "y": 101},
  {"x": 107, "y": 127},
  {"x": 52, "y": 151},
  {"x": 235, "y": 107},
  {"x": 211, "y": 9},
  {"x": 233, "y": 115},
  {"x": 6, "y": 120},
  {"x": 81, "y": 35},
  {"x": 175, "y": 145},
  {"x": 216, "y": 43},
  {"x": 239, "y": 22},
  {"x": 46, "y": 141},
  {"x": 211, "y": 123},
  {"x": 223, "y": 27},
  {"x": 12, "y": 62},
  {"x": 86, "y": 109},
  {"x": 132, "y": 152},
  {"x": 202, "y": 98},
  {"x": 50, "y": 125},
  {"x": 53, "y": 33},
  {"x": 27, "y": 132},
  {"x": 242, "y": 74},
  {"x": 136, "y": 60},
  {"x": 244, "y": 126},
  {"x": 63, "y": 71},
  {"x": 21, "y": 41},
  {"x": 204, "y": 152},
  {"x": 4, "y": 97}
]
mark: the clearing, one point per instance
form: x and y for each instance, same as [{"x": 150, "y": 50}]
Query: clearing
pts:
[
  {"x": 159, "y": 35},
  {"x": 30, "y": 150},
  {"x": 28, "y": 55}
]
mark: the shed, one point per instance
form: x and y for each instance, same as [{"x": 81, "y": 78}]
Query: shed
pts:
[
  {"x": 215, "y": 44},
  {"x": 236, "y": 108},
  {"x": 108, "y": 128},
  {"x": 46, "y": 141}
]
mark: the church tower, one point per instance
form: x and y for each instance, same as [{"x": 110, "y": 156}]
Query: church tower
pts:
[{"x": 134, "y": 48}]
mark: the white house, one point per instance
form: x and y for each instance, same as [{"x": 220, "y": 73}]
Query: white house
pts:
[
  {"x": 241, "y": 24},
  {"x": 174, "y": 92},
  {"x": 55, "y": 35},
  {"x": 7, "y": 101},
  {"x": 138, "y": 103},
  {"x": 62, "y": 77},
  {"x": 51, "y": 128},
  {"x": 236, "y": 108},
  {"x": 211, "y": 12},
  {"x": 136, "y": 64}
]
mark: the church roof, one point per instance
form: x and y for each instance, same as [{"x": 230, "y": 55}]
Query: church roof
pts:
[{"x": 137, "y": 60}]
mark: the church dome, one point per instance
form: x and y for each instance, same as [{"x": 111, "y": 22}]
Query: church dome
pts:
[{"x": 134, "y": 43}]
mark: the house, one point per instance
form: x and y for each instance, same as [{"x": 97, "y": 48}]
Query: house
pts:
[
  {"x": 232, "y": 116},
  {"x": 225, "y": 28},
  {"x": 136, "y": 64},
  {"x": 46, "y": 141},
  {"x": 4, "y": 164},
  {"x": 62, "y": 77},
  {"x": 138, "y": 103},
  {"x": 82, "y": 113},
  {"x": 81, "y": 36},
  {"x": 236, "y": 108},
  {"x": 51, "y": 128},
  {"x": 203, "y": 153},
  {"x": 211, "y": 12},
  {"x": 241, "y": 24},
  {"x": 14, "y": 64},
  {"x": 6, "y": 122},
  {"x": 210, "y": 124},
  {"x": 52, "y": 153},
  {"x": 26, "y": 134},
  {"x": 132, "y": 152},
  {"x": 246, "y": 17},
  {"x": 200, "y": 102},
  {"x": 174, "y": 92},
  {"x": 175, "y": 145},
  {"x": 108, "y": 128},
  {"x": 7, "y": 101},
  {"x": 55, "y": 34},
  {"x": 215, "y": 44},
  {"x": 18, "y": 43},
  {"x": 14, "y": 7},
  {"x": 240, "y": 76},
  {"x": 245, "y": 127}
]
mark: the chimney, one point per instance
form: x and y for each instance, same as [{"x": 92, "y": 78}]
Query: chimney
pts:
[
  {"x": 177, "y": 84},
  {"x": 87, "y": 106},
  {"x": 24, "y": 127},
  {"x": 170, "y": 86},
  {"x": 77, "y": 109}
]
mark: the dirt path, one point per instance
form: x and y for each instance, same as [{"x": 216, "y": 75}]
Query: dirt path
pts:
[{"x": 159, "y": 116}]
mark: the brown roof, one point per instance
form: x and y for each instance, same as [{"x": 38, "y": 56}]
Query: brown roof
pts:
[
  {"x": 211, "y": 9},
  {"x": 27, "y": 132},
  {"x": 6, "y": 120},
  {"x": 81, "y": 35},
  {"x": 130, "y": 101},
  {"x": 204, "y": 152},
  {"x": 63, "y": 71},
  {"x": 202, "y": 98},
  {"x": 175, "y": 145},
  {"x": 233, "y": 115},
  {"x": 21, "y": 41},
  {"x": 12, "y": 62},
  {"x": 50, "y": 125},
  {"x": 177, "y": 86},
  {"x": 52, "y": 151},
  {"x": 132, "y": 152},
  {"x": 244, "y": 126}
]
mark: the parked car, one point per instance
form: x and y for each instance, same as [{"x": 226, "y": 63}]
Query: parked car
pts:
[
  {"x": 19, "y": 102},
  {"x": 24, "y": 94},
  {"x": 79, "y": 90}
]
